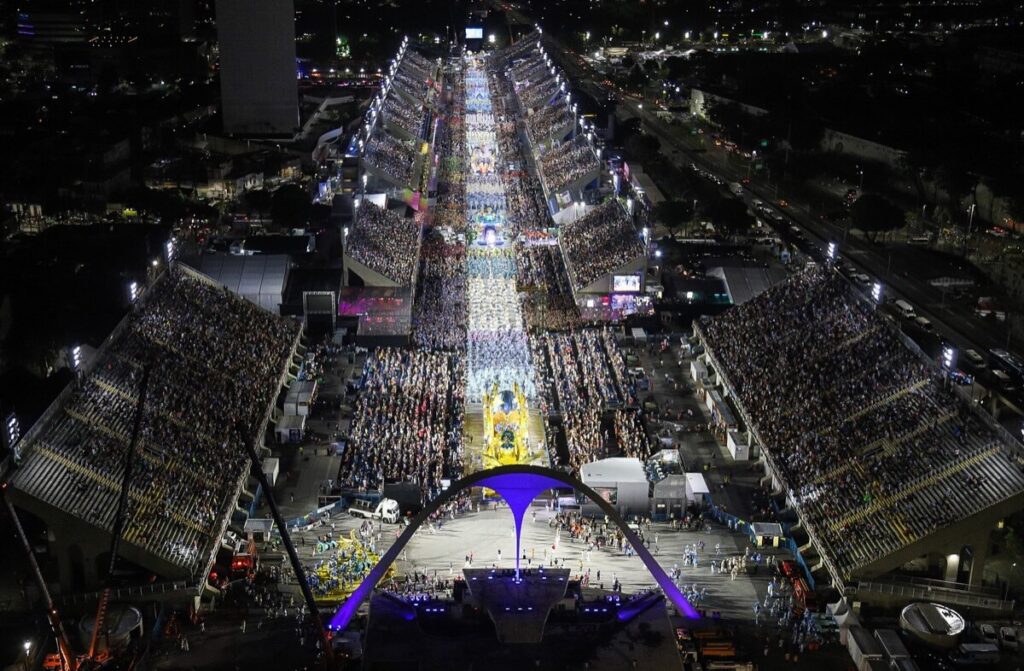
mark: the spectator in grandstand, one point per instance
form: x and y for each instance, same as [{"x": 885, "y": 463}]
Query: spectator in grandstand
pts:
[
  {"x": 384, "y": 242},
  {"x": 599, "y": 242}
]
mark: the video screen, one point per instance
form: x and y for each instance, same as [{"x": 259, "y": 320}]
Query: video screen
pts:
[
  {"x": 625, "y": 283},
  {"x": 474, "y": 33}
]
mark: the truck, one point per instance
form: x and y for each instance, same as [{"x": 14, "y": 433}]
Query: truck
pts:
[{"x": 386, "y": 510}]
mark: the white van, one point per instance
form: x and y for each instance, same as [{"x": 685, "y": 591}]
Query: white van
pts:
[{"x": 905, "y": 309}]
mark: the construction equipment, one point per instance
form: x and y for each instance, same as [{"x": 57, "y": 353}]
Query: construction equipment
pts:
[
  {"x": 95, "y": 655},
  {"x": 68, "y": 661},
  {"x": 293, "y": 557}
]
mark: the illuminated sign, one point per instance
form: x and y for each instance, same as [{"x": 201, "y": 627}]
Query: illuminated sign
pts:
[
  {"x": 474, "y": 33},
  {"x": 625, "y": 283}
]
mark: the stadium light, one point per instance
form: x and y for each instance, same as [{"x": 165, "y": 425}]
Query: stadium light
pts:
[
  {"x": 13, "y": 429},
  {"x": 491, "y": 38},
  {"x": 133, "y": 292},
  {"x": 949, "y": 358},
  {"x": 76, "y": 358},
  {"x": 876, "y": 292},
  {"x": 832, "y": 250},
  {"x": 171, "y": 249}
]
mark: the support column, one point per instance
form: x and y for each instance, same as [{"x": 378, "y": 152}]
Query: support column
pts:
[{"x": 980, "y": 547}]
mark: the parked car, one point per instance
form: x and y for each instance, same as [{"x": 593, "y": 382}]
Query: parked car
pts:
[
  {"x": 988, "y": 633},
  {"x": 1003, "y": 381},
  {"x": 974, "y": 358},
  {"x": 1008, "y": 638}
]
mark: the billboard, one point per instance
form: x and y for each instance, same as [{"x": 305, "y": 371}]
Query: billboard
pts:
[
  {"x": 474, "y": 33},
  {"x": 625, "y": 283}
]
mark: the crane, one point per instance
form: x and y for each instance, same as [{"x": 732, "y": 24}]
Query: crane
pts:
[
  {"x": 300, "y": 574},
  {"x": 68, "y": 661},
  {"x": 94, "y": 655}
]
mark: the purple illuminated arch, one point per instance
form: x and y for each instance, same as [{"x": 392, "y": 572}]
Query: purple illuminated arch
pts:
[{"x": 519, "y": 485}]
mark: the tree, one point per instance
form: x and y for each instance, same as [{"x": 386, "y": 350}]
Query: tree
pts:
[
  {"x": 637, "y": 78},
  {"x": 289, "y": 206},
  {"x": 728, "y": 116},
  {"x": 258, "y": 201},
  {"x": 643, "y": 148},
  {"x": 957, "y": 181},
  {"x": 731, "y": 217},
  {"x": 873, "y": 214},
  {"x": 673, "y": 213}
]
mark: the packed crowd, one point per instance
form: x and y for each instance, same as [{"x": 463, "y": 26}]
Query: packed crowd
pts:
[
  {"x": 450, "y": 210},
  {"x": 548, "y": 302},
  {"x": 567, "y": 162},
  {"x": 584, "y": 374},
  {"x": 873, "y": 445},
  {"x": 385, "y": 242},
  {"x": 393, "y": 156},
  {"x": 203, "y": 400},
  {"x": 439, "y": 313},
  {"x": 407, "y": 425},
  {"x": 599, "y": 242},
  {"x": 398, "y": 112}
]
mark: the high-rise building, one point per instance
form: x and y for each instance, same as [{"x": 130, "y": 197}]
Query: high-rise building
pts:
[{"x": 258, "y": 85}]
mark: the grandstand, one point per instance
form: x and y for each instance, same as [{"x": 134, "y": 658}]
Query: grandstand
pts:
[
  {"x": 569, "y": 166},
  {"x": 382, "y": 247},
  {"x": 393, "y": 160},
  {"x": 882, "y": 461},
  {"x": 599, "y": 245},
  {"x": 218, "y": 363}
]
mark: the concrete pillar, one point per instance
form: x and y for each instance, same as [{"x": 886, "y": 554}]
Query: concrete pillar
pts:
[
  {"x": 979, "y": 546},
  {"x": 952, "y": 567}
]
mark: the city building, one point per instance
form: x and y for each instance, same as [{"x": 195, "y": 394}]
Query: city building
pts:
[{"x": 259, "y": 90}]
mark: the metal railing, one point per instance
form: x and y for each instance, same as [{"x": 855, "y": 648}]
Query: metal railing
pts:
[
  {"x": 137, "y": 591},
  {"x": 928, "y": 593}
]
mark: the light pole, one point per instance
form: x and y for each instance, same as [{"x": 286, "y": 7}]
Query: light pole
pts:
[
  {"x": 27, "y": 645},
  {"x": 970, "y": 219}
]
